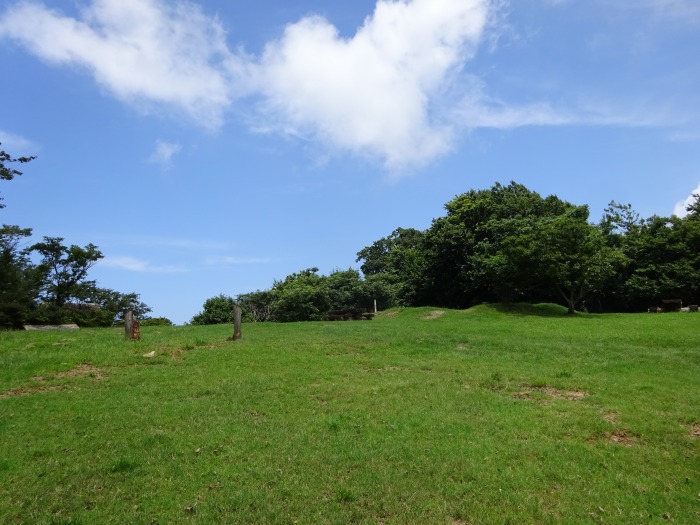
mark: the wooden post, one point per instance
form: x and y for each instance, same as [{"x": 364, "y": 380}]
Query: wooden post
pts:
[
  {"x": 375, "y": 306},
  {"x": 236, "y": 323},
  {"x": 132, "y": 329}
]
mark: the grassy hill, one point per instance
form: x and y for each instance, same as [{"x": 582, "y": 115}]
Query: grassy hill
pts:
[{"x": 494, "y": 415}]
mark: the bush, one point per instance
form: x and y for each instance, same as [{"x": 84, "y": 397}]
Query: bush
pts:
[
  {"x": 83, "y": 317},
  {"x": 156, "y": 321},
  {"x": 217, "y": 310}
]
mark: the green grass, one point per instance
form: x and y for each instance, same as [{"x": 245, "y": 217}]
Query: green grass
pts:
[{"x": 495, "y": 415}]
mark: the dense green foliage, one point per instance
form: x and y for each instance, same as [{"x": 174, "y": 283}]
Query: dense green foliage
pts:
[
  {"x": 18, "y": 283},
  {"x": 302, "y": 296},
  {"x": 504, "y": 244},
  {"x": 54, "y": 290},
  {"x": 510, "y": 244},
  {"x": 489, "y": 416},
  {"x": 217, "y": 310}
]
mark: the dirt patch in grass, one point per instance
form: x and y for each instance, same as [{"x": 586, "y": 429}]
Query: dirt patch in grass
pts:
[
  {"x": 695, "y": 430},
  {"x": 26, "y": 390},
  {"x": 384, "y": 369},
  {"x": 434, "y": 314},
  {"x": 622, "y": 437},
  {"x": 84, "y": 371},
  {"x": 40, "y": 385},
  {"x": 610, "y": 417},
  {"x": 388, "y": 314},
  {"x": 571, "y": 395}
]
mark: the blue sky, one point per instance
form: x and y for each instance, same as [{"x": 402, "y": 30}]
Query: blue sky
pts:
[{"x": 212, "y": 147}]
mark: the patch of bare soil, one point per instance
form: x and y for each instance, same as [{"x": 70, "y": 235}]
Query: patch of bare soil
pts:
[
  {"x": 622, "y": 437},
  {"x": 695, "y": 430},
  {"x": 571, "y": 395},
  {"x": 84, "y": 371},
  {"x": 26, "y": 390},
  {"x": 434, "y": 314},
  {"x": 610, "y": 417},
  {"x": 385, "y": 369},
  {"x": 390, "y": 314},
  {"x": 40, "y": 381},
  {"x": 522, "y": 395}
]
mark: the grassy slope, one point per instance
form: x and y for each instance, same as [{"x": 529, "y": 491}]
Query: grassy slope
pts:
[{"x": 493, "y": 415}]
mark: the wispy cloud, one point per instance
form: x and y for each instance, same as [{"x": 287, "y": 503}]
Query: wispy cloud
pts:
[
  {"x": 16, "y": 145},
  {"x": 175, "y": 243},
  {"x": 685, "y": 10},
  {"x": 133, "y": 264},
  {"x": 164, "y": 152},
  {"x": 225, "y": 261}
]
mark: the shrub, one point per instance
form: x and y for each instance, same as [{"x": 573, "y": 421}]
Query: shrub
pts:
[{"x": 156, "y": 321}]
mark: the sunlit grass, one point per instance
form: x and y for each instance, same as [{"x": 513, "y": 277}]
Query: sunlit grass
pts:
[{"x": 492, "y": 415}]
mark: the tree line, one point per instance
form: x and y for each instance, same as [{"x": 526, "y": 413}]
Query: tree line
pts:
[
  {"x": 503, "y": 244},
  {"x": 47, "y": 282}
]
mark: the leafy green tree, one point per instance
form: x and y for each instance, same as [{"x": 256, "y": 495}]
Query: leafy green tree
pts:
[
  {"x": 665, "y": 262},
  {"x": 300, "y": 297},
  {"x": 117, "y": 303},
  {"x": 565, "y": 252},
  {"x": 18, "y": 280},
  {"x": 217, "y": 310},
  {"x": 399, "y": 260},
  {"x": 465, "y": 263},
  {"x": 7, "y": 172},
  {"x": 64, "y": 270}
]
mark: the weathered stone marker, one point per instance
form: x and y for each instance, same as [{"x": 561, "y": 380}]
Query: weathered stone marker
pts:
[
  {"x": 132, "y": 328},
  {"x": 236, "y": 323}
]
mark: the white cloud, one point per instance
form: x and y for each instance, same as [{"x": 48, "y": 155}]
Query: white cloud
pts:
[
  {"x": 374, "y": 93},
  {"x": 139, "y": 50},
  {"x": 680, "y": 209},
  {"x": 395, "y": 91},
  {"x": 133, "y": 264},
  {"x": 164, "y": 153}
]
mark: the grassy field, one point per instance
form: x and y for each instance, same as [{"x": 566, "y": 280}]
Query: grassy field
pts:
[{"x": 486, "y": 416}]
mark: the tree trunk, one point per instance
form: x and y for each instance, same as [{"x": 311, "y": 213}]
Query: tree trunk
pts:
[{"x": 569, "y": 299}]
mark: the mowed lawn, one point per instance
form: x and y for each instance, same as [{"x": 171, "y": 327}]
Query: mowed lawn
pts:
[{"x": 492, "y": 415}]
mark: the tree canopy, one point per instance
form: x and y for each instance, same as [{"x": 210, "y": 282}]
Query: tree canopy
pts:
[{"x": 506, "y": 244}]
